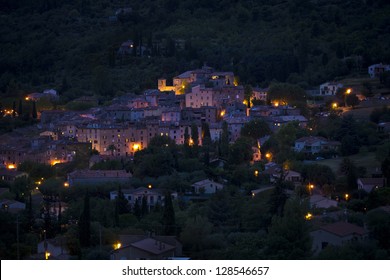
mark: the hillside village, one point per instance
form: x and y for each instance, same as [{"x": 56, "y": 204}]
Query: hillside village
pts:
[{"x": 199, "y": 148}]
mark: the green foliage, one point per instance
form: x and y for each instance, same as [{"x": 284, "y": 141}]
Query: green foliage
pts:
[
  {"x": 289, "y": 236},
  {"x": 73, "y": 46},
  {"x": 240, "y": 151},
  {"x": 255, "y": 129},
  {"x": 168, "y": 216},
  {"x": 378, "y": 222},
  {"x": 318, "y": 174},
  {"x": 37, "y": 170},
  {"x": 286, "y": 93},
  {"x": 85, "y": 223}
]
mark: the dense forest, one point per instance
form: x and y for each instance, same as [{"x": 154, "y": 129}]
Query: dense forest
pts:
[{"x": 73, "y": 45}]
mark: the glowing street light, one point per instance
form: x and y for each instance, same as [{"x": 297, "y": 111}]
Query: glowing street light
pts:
[
  {"x": 117, "y": 245},
  {"x": 311, "y": 188},
  {"x": 308, "y": 216},
  {"x": 256, "y": 173},
  {"x": 347, "y": 92},
  {"x": 47, "y": 255},
  {"x": 334, "y": 105},
  {"x": 346, "y": 196},
  {"x": 268, "y": 156}
]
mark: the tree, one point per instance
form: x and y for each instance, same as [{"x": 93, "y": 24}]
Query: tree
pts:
[
  {"x": 241, "y": 151},
  {"x": 255, "y": 129},
  {"x": 34, "y": 113},
  {"x": 168, "y": 217},
  {"x": 144, "y": 206},
  {"x": 194, "y": 135},
  {"x": 288, "y": 236},
  {"x": 14, "y": 109},
  {"x": 385, "y": 167},
  {"x": 348, "y": 169},
  {"x": 20, "y": 109},
  {"x": 111, "y": 148},
  {"x": 247, "y": 95},
  {"x": 286, "y": 93},
  {"x": 137, "y": 209},
  {"x": 224, "y": 142},
  {"x": 85, "y": 223},
  {"x": 352, "y": 100}
]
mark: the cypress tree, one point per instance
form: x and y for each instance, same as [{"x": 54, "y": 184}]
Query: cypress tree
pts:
[
  {"x": 85, "y": 224},
  {"x": 14, "y": 109},
  {"x": 168, "y": 218},
  {"x": 34, "y": 111},
  {"x": 20, "y": 109},
  {"x": 144, "y": 206},
  {"x": 137, "y": 209}
]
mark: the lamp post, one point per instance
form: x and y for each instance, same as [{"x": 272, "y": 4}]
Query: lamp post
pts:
[
  {"x": 347, "y": 92},
  {"x": 311, "y": 187}
]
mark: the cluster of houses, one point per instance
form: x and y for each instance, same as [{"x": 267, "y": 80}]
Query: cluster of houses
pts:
[{"x": 131, "y": 121}]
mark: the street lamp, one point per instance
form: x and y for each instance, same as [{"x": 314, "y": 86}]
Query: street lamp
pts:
[
  {"x": 311, "y": 187},
  {"x": 117, "y": 245},
  {"x": 347, "y": 92}
]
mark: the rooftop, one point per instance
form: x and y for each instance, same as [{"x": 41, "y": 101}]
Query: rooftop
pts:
[{"x": 343, "y": 229}]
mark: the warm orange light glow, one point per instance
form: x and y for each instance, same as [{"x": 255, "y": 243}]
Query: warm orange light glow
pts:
[
  {"x": 47, "y": 255},
  {"x": 308, "y": 216},
  {"x": 117, "y": 245},
  {"x": 149, "y": 186},
  {"x": 27, "y": 98},
  {"x": 39, "y": 182},
  {"x": 191, "y": 142},
  {"x": 66, "y": 184},
  {"x": 348, "y": 91},
  {"x": 311, "y": 186},
  {"x": 55, "y": 161},
  {"x": 256, "y": 173},
  {"x": 223, "y": 112},
  {"x": 136, "y": 147},
  {"x": 276, "y": 103},
  {"x": 334, "y": 105},
  {"x": 268, "y": 155},
  {"x": 346, "y": 196},
  {"x": 11, "y": 166}
]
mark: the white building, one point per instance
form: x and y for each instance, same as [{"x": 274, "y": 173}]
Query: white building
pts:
[
  {"x": 329, "y": 88},
  {"x": 206, "y": 187},
  {"x": 376, "y": 69}
]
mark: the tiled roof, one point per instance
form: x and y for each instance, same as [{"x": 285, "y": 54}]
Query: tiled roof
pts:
[{"x": 343, "y": 229}]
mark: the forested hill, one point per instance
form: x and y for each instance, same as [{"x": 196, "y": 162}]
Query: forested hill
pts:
[{"x": 72, "y": 45}]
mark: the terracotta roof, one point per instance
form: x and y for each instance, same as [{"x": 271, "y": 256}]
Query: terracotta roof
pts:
[
  {"x": 99, "y": 174},
  {"x": 152, "y": 246},
  {"x": 311, "y": 139},
  {"x": 372, "y": 181},
  {"x": 343, "y": 229}
]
